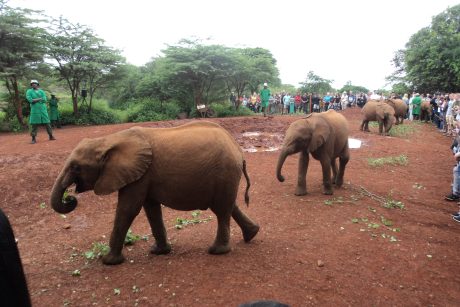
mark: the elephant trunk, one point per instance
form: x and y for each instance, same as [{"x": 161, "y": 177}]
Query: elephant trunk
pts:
[
  {"x": 279, "y": 166},
  {"x": 60, "y": 205}
]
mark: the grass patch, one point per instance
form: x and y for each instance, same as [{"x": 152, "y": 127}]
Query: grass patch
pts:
[
  {"x": 399, "y": 160},
  {"x": 402, "y": 130}
]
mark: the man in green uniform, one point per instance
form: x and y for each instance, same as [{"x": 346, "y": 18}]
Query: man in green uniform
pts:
[
  {"x": 417, "y": 101},
  {"x": 264, "y": 98},
  {"x": 38, "y": 112},
  {"x": 54, "y": 112}
]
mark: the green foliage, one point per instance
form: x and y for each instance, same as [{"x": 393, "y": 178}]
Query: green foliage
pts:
[
  {"x": 98, "y": 250},
  {"x": 152, "y": 110},
  {"x": 131, "y": 238},
  {"x": 182, "y": 222},
  {"x": 227, "y": 110},
  {"x": 399, "y": 160},
  {"x": 403, "y": 130},
  {"x": 355, "y": 89},
  {"x": 315, "y": 84},
  {"x": 98, "y": 116},
  {"x": 430, "y": 60},
  {"x": 390, "y": 203},
  {"x": 81, "y": 58},
  {"x": 401, "y": 88}
]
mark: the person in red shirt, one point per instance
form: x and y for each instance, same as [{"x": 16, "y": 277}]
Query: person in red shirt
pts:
[{"x": 298, "y": 102}]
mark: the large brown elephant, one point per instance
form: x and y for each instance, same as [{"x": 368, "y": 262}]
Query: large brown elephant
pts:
[
  {"x": 194, "y": 166},
  {"x": 400, "y": 109},
  {"x": 325, "y": 136},
  {"x": 375, "y": 110}
]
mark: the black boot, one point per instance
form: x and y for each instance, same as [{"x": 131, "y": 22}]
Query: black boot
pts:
[
  {"x": 52, "y": 138},
  {"x": 33, "y": 140}
]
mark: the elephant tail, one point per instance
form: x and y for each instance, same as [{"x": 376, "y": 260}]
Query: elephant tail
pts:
[{"x": 248, "y": 184}]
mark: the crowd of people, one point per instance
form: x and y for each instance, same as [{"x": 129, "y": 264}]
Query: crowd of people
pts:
[
  {"x": 292, "y": 103},
  {"x": 445, "y": 115}
]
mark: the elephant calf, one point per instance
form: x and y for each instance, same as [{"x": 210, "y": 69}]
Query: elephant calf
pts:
[
  {"x": 400, "y": 109},
  {"x": 379, "y": 111},
  {"x": 194, "y": 166},
  {"x": 325, "y": 136},
  {"x": 425, "y": 111}
]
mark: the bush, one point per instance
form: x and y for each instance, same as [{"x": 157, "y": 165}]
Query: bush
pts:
[
  {"x": 100, "y": 114},
  {"x": 227, "y": 110},
  {"x": 152, "y": 110}
]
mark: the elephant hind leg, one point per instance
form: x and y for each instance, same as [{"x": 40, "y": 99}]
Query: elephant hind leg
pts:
[
  {"x": 343, "y": 160},
  {"x": 221, "y": 243},
  {"x": 155, "y": 218},
  {"x": 334, "y": 171},
  {"x": 248, "y": 227}
]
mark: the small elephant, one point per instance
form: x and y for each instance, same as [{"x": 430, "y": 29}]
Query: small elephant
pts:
[
  {"x": 375, "y": 110},
  {"x": 425, "y": 111},
  {"x": 400, "y": 109},
  {"x": 325, "y": 136},
  {"x": 193, "y": 166}
]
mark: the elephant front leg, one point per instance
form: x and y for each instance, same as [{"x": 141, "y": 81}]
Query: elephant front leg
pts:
[
  {"x": 326, "y": 167},
  {"x": 301, "y": 188},
  {"x": 381, "y": 127},
  {"x": 129, "y": 206},
  {"x": 155, "y": 218},
  {"x": 365, "y": 126}
]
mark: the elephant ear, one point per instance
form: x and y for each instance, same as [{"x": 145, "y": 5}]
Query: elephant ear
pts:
[
  {"x": 320, "y": 134},
  {"x": 126, "y": 156}
]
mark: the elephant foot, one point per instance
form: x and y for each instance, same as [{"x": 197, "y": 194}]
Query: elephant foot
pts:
[
  {"x": 250, "y": 233},
  {"x": 219, "y": 249},
  {"x": 112, "y": 259},
  {"x": 300, "y": 191},
  {"x": 161, "y": 250},
  {"x": 366, "y": 130},
  {"x": 328, "y": 191},
  {"x": 338, "y": 182}
]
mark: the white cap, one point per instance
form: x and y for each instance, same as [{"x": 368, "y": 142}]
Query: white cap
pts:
[
  {"x": 34, "y": 81},
  {"x": 265, "y": 84}
]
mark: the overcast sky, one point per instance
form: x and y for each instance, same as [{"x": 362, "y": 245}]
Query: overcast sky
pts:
[{"x": 339, "y": 40}]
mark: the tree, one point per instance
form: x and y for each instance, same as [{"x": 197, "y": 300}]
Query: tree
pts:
[
  {"x": 249, "y": 68},
  {"x": 353, "y": 88},
  {"x": 78, "y": 54},
  {"x": 21, "y": 50},
  {"x": 102, "y": 68},
  {"x": 430, "y": 61},
  {"x": 316, "y": 84},
  {"x": 123, "y": 89},
  {"x": 193, "y": 68}
]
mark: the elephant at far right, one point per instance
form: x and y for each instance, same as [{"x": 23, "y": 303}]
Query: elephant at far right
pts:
[
  {"x": 383, "y": 113},
  {"x": 400, "y": 109}
]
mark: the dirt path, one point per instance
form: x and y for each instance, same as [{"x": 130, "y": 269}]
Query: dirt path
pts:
[{"x": 311, "y": 250}]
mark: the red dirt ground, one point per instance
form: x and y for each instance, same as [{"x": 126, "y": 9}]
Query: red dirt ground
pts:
[{"x": 311, "y": 250}]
